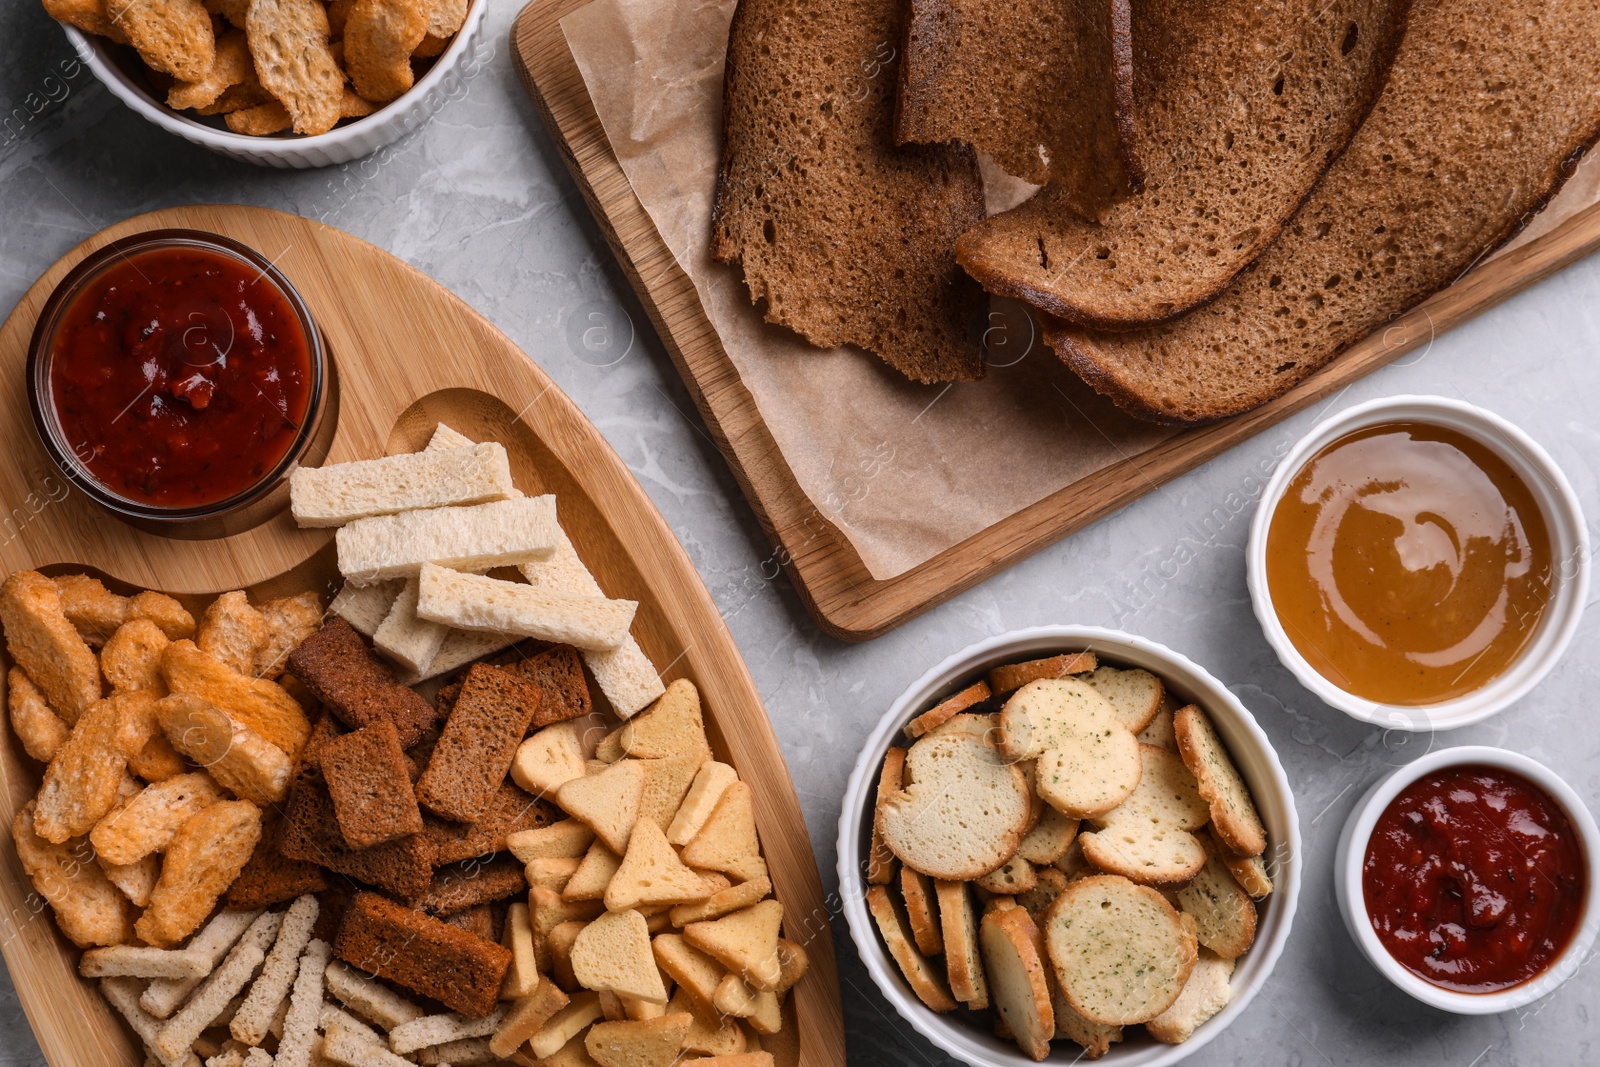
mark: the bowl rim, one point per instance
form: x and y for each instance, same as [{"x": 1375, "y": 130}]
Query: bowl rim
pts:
[
  {"x": 1570, "y": 551},
  {"x": 960, "y": 1040},
  {"x": 91, "y": 51},
  {"x": 1349, "y": 859}
]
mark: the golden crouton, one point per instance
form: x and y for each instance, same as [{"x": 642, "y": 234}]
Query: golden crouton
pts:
[
  {"x": 39, "y": 728},
  {"x": 173, "y": 618},
  {"x": 132, "y": 657},
  {"x": 232, "y": 631},
  {"x": 87, "y": 15},
  {"x": 260, "y": 705},
  {"x": 89, "y": 909},
  {"x": 157, "y": 761},
  {"x": 289, "y": 40},
  {"x": 80, "y": 785},
  {"x": 230, "y": 67},
  {"x": 379, "y": 37},
  {"x": 44, "y": 643},
  {"x": 290, "y": 620},
  {"x": 134, "y": 880},
  {"x": 94, "y": 611},
  {"x": 173, "y": 37},
  {"x": 203, "y": 859},
  {"x": 146, "y": 821},
  {"x": 237, "y": 757}
]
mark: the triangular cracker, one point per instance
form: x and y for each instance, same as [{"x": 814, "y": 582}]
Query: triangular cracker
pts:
[
  {"x": 652, "y": 873},
  {"x": 728, "y": 840},
  {"x": 608, "y": 802},
  {"x": 746, "y": 942}
]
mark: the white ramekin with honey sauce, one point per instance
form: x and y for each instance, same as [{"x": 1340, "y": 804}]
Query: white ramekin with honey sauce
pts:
[{"x": 1418, "y": 562}]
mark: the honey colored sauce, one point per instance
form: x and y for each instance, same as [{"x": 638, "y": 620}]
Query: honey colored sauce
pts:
[{"x": 1408, "y": 563}]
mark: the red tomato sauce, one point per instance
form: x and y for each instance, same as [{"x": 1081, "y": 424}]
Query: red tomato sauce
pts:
[
  {"x": 180, "y": 377},
  {"x": 1474, "y": 879}
]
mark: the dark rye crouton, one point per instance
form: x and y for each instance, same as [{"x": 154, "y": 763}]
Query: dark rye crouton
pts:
[
  {"x": 428, "y": 957},
  {"x": 403, "y": 867},
  {"x": 478, "y": 742},
  {"x": 269, "y": 877},
  {"x": 558, "y": 672},
  {"x": 478, "y": 921},
  {"x": 368, "y": 781},
  {"x": 510, "y": 810},
  {"x": 342, "y": 672},
  {"x": 466, "y": 885}
]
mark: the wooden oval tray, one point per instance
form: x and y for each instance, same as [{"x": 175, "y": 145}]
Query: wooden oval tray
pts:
[{"x": 408, "y": 354}]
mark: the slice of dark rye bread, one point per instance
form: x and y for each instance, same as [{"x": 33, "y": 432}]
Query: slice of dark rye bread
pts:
[
  {"x": 1240, "y": 107},
  {"x": 848, "y": 238},
  {"x": 1487, "y": 111},
  {"x": 1043, "y": 87}
]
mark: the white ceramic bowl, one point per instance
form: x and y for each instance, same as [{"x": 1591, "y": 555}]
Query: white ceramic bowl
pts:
[
  {"x": 959, "y": 1034},
  {"x": 1569, "y": 549},
  {"x": 351, "y": 140},
  {"x": 1351, "y": 853}
]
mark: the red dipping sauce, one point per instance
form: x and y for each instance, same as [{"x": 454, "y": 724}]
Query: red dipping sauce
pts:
[
  {"x": 1474, "y": 879},
  {"x": 180, "y": 376}
]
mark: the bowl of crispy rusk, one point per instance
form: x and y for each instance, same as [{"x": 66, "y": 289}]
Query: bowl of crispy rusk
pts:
[
  {"x": 281, "y": 83},
  {"x": 1067, "y": 842}
]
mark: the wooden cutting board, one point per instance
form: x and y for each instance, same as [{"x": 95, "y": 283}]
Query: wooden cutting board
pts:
[
  {"x": 836, "y": 587},
  {"x": 408, "y": 354}
]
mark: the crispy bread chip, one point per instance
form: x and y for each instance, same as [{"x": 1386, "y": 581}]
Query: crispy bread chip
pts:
[
  {"x": 172, "y": 36},
  {"x": 289, "y": 40},
  {"x": 87, "y": 15},
  {"x": 231, "y": 67},
  {"x": 136, "y": 880},
  {"x": 379, "y": 38},
  {"x": 94, "y": 611},
  {"x": 173, "y": 618},
  {"x": 260, "y": 705},
  {"x": 147, "y": 821},
  {"x": 232, "y": 631},
  {"x": 232, "y": 10},
  {"x": 237, "y": 757},
  {"x": 81, "y": 783},
  {"x": 37, "y": 726},
  {"x": 157, "y": 761},
  {"x": 44, "y": 643},
  {"x": 89, "y": 909},
  {"x": 290, "y": 620},
  {"x": 204, "y": 858},
  {"x": 259, "y": 121},
  {"x": 131, "y": 658}
]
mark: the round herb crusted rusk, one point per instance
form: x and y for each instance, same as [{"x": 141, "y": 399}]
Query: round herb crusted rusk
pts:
[
  {"x": 846, "y": 237},
  {"x": 1442, "y": 173},
  {"x": 919, "y": 974},
  {"x": 916, "y": 890},
  {"x": 1250, "y": 872},
  {"x": 1146, "y": 838},
  {"x": 1223, "y": 913},
  {"x": 1235, "y": 133},
  {"x": 1096, "y": 1038},
  {"x": 1205, "y": 993},
  {"x": 1136, "y": 694},
  {"x": 1087, "y": 760},
  {"x": 1015, "y": 875},
  {"x": 1121, "y": 952},
  {"x": 958, "y": 925},
  {"x": 1049, "y": 839},
  {"x": 880, "y": 861},
  {"x": 1014, "y": 957},
  {"x": 963, "y": 811},
  {"x": 1043, "y": 713},
  {"x": 1233, "y": 812}
]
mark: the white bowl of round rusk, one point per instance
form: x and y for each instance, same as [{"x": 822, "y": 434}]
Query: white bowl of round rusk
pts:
[
  {"x": 119, "y": 69},
  {"x": 1057, "y": 707}
]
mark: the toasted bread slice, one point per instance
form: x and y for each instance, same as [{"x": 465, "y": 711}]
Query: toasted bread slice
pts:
[
  {"x": 1146, "y": 838},
  {"x": 1015, "y": 875},
  {"x": 891, "y": 777},
  {"x": 959, "y": 927},
  {"x": 1012, "y": 676},
  {"x": 1136, "y": 694},
  {"x": 916, "y": 893},
  {"x": 1397, "y": 217},
  {"x": 1250, "y": 872},
  {"x": 1087, "y": 759},
  {"x": 1205, "y": 993},
  {"x": 1211, "y": 102},
  {"x": 1049, "y": 839},
  {"x": 696, "y": 973},
  {"x": 728, "y": 841},
  {"x": 1233, "y": 812},
  {"x": 589, "y": 879},
  {"x": 722, "y": 902},
  {"x": 745, "y": 942},
  {"x": 666, "y": 784},
  {"x": 919, "y": 974},
  {"x": 1121, "y": 953},
  {"x": 710, "y": 782},
  {"x": 549, "y": 759},
  {"x": 672, "y": 726},
  {"x": 950, "y": 706},
  {"x": 1062, "y": 112},
  {"x": 651, "y": 874},
  {"x": 888, "y": 280},
  {"x": 964, "y": 811},
  {"x": 639, "y": 1043},
  {"x": 1013, "y": 957},
  {"x": 567, "y": 839},
  {"x": 1047, "y": 713},
  {"x": 607, "y": 802},
  {"x": 1223, "y": 913},
  {"x": 613, "y": 954}
]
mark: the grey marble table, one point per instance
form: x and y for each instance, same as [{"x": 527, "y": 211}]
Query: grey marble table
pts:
[{"x": 480, "y": 200}]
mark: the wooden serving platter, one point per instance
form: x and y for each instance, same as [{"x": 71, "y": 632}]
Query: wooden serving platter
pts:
[
  {"x": 408, "y": 354},
  {"x": 838, "y": 590}
]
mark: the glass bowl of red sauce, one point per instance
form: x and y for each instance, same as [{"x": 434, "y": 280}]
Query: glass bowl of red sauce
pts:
[
  {"x": 177, "y": 377},
  {"x": 1468, "y": 878}
]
